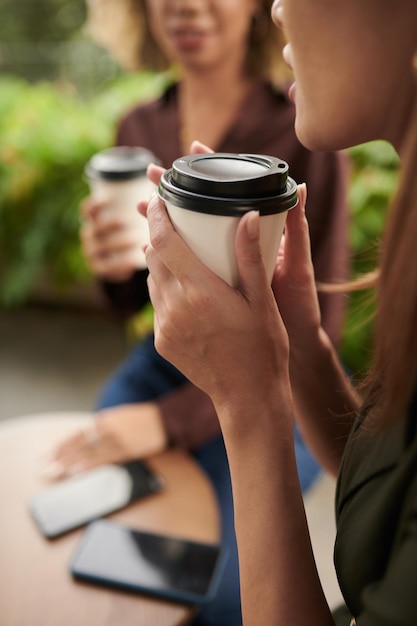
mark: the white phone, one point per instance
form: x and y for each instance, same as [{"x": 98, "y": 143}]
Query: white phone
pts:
[{"x": 80, "y": 499}]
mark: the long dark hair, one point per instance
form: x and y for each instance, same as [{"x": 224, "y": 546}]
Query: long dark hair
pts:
[{"x": 394, "y": 371}]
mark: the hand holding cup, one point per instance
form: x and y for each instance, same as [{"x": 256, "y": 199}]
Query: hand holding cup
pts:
[{"x": 114, "y": 234}]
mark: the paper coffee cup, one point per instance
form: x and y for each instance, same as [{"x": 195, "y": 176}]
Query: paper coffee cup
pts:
[
  {"x": 117, "y": 176},
  {"x": 207, "y": 194}
]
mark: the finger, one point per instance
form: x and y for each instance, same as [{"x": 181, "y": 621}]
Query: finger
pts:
[
  {"x": 297, "y": 239},
  {"x": 142, "y": 205},
  {"x": 252, "y": 274},
  {"x": 109, "y": 241},
  {"x": 158, "y": 302},
  {"x": 171, "y": 248},
  {"x": 67, "y": 468},
  {"x": 280, "y": 255},
  {"x": 82, "y": 451},
  {"x": 108, "y": 224},
  {"x": 90, "y": 207},
  {"x": 154, "y": 173},
  {"x": 200, "y": 148},
  {"x": 164, "y": 290},
  {"x": 52, "y": 471},
  {"x": 159, "y": 274},
  {"x": 67, "y": 446},
  {"x": 111, "y": 256},
  {"x": 56, "y": 464},
  {"x": 115, "y": 237},
  {"x": 294, "y": 257}
]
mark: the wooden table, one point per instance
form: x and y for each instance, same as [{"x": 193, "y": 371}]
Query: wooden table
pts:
[{"x": 36, "y": 588}]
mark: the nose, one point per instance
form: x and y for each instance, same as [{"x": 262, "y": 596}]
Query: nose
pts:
[
  {"x": 184, "y": 6},
  {"x": 277, "y": 13}
]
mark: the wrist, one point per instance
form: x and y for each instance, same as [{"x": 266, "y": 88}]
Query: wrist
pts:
[
  {"x": 306, "y": 356},
  {"x": 249, "y": 415},
  {"x": 159, "y": 433}
]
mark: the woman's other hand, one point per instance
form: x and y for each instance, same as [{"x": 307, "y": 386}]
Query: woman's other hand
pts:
[
  {"x": 109, "y": 242},
  {"x": 293, "y": 282},
  {"x": 325, "y": 402},
  {"x": 116, "y": 435}
]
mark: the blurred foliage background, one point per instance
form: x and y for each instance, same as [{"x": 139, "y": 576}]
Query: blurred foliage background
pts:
[
  {"x": 60, "y": 96},
  {"x": 47, "y": 136},
  {"x": 374, "y": 175}
]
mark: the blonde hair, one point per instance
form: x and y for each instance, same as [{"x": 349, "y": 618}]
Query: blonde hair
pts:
[{"x": 121, "y": 27}]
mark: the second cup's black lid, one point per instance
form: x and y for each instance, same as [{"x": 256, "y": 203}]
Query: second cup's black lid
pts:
[
  {"x": 229, "y": 184},
  {"x": 120, "y": 163}
]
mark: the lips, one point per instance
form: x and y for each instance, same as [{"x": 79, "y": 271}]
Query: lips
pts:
[{"x": 188, "y": 36}]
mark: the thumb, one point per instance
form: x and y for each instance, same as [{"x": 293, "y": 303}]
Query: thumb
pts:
[
  {"x": 200, "y": 148},
  {"x": 252, "y": 272}
]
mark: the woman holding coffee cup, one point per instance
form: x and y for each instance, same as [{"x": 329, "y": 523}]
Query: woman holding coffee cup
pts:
[
  {"x": 227, "y": 60},
  {"x": 263, "y": 355}
]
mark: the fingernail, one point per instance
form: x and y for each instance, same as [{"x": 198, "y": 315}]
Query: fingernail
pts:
[
  {"x": 252, "y": 225},
  {"x": 302, "y": 195}
]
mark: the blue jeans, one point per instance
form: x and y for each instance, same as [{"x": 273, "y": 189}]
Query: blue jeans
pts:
[{"x": 145, "y": 376}]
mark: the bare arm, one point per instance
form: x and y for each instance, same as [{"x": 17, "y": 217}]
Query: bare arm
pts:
[
  {"x": 325, "y": 401},
  {"x": 236, "y": 348},
  {"x": 279, "y": 579}
]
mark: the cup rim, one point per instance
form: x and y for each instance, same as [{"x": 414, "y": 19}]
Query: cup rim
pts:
[
  {"x": 234, "y": 206},
  {"x": 263, "y": 175},
  {"x": 133, "y": 163}
]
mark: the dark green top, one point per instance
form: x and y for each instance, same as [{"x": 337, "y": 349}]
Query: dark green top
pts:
[{"x": 376, "y": 512}]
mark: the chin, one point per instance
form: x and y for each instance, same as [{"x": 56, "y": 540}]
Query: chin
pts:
[
  {"x": 319, "y": 136},
  {"x": 312, "y": 138}
]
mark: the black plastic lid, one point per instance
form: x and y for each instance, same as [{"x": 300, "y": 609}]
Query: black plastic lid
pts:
[
  {"x": 120, "y": 163},
  {"x": 229, "y": 184}
]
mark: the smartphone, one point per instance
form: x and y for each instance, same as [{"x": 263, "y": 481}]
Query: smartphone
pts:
[
  {"x": 153, "y": 564},
  {"x": 80, "y": 499}
]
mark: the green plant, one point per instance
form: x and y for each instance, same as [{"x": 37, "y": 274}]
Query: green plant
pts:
[
  {"x": 48, "y": 135},
  {"x": 372, "y": 186}
]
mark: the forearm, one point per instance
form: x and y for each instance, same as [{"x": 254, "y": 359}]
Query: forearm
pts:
[
  {"x": 325, "y": 401},
  {"x": 279, "y": 580}
]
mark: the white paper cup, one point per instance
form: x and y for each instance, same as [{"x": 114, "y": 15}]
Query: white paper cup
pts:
[
  {"x": 206, "y": 195},
  {"x": 117, "y": 176}
]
